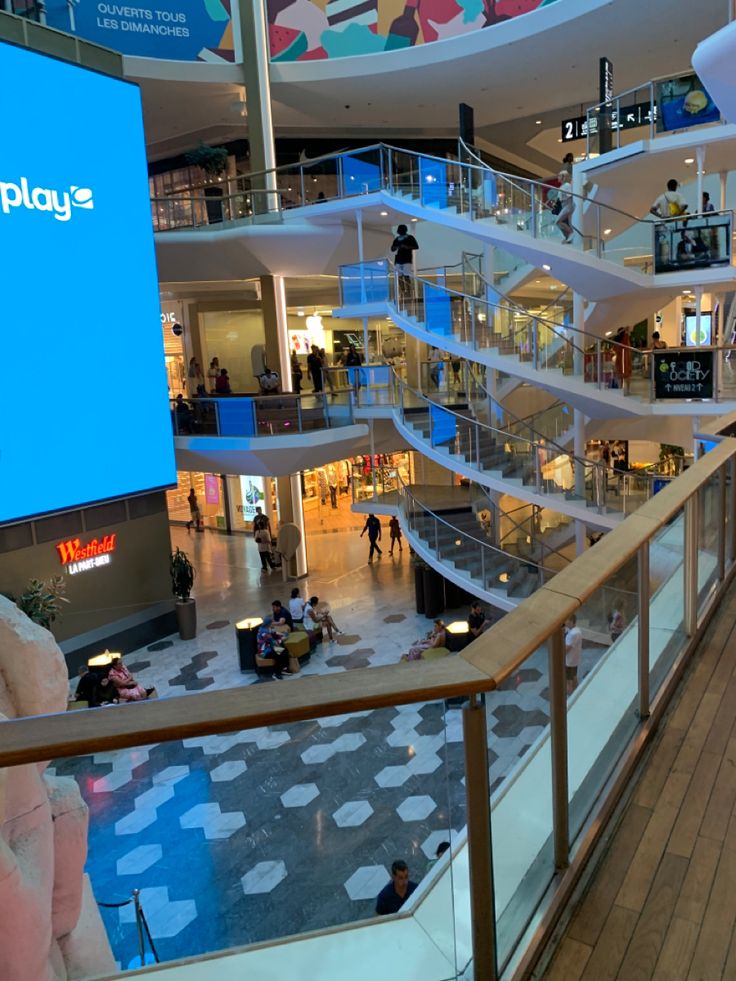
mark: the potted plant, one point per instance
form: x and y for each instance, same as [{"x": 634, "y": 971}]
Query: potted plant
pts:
[
  {"x": 213, "y": 161},
  {"x": 41, "y": 600},
  {"x": 182, "y": 580}
]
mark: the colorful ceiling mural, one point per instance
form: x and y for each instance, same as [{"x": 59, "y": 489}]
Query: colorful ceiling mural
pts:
[{"x": 312, "y": 30}]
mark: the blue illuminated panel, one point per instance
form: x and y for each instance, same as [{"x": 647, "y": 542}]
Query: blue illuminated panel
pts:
[{"x": 84, "y": 415}]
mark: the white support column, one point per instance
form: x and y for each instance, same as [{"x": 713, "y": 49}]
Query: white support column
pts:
[
  {"x": 578, "y": 322},
  {"x": 579, "y": 420},
  {"x": 291, "y": 510},
  {"x": 723, "y": 183},
  {"x": 256, "y": 64},
  {"x": 700, "y": 158}
]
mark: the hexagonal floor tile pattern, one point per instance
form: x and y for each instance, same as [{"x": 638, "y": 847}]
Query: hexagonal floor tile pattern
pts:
[
  {"x": 165, "y": 917},
  {"x": 228, "y": 770},
  {"x": 263, "y": 877},
  {"x": 213, "y": 822},
  {"x": 392, "y": 776},
  {"x": 139, "y": 859},
  {"x": 366, "y": 882},
  {"x": 348, "y": 742},
  {"x": 352, "y": 814},
  {"x": 416, "y": 808},
  {"x": 430, "y": 843},
  {"x": 300, "y": 795},
  {"x": 512, "y": 720},
  {"x": 318, "y": 754},
  {"x": 171, "y": 775}
]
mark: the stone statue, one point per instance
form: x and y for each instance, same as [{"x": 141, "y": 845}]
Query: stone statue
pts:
[{"x": 50, "y": 928}]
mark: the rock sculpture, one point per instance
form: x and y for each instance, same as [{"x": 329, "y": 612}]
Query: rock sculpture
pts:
[{"x": 50, "y": 929}]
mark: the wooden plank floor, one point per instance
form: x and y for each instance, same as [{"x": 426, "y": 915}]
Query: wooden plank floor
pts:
[{"x": 662, "y": 902}]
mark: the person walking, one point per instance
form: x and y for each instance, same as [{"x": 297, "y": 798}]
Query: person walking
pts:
[
  {"x": 314, "y": 367},
  {"x": 573, "y": 652},
  {"x": 373, "y": 527},
  {"x": 196, "y": 514},
  {"x": 296, "y": 373},
  {"x": 404, "y": 246},
  {"x": 393, "y": 895},
  {"x": 623, "y": 358},
  {"x": 567, "y": 206},
  {"x": 195, "y": 377},
  {"x": 395, "y": 533},
  {"x": 670, "y": 203},
  {"x": 213, "y": 373},
  {"x": 263, "y": 541},
  {"x": 332, "y": 485}
]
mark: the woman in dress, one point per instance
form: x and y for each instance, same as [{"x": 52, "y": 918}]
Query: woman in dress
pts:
[
  {"x": 437, "y": 637},
  {"x": 128, "y": 689}
]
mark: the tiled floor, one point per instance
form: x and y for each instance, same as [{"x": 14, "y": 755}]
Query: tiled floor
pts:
[{"x": 253, "y": 835}]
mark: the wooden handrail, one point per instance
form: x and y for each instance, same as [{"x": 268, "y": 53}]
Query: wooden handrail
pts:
[{"x": 481, "y": 667}]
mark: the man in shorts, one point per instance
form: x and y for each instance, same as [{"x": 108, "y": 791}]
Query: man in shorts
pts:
[
  {"x": 404, "y": 245},
  {"x": 573, "y": 652}
]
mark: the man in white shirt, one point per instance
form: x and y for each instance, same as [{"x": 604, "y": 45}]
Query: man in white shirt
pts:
[
  {"x": 670, "y": 204},
  {"x": 573, "y": 652}
]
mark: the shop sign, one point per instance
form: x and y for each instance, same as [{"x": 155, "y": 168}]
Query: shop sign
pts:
[
  {"x": 683, "y": 103},
  {"x": 253, "y": 494},
  {"x": 76, "y": 557},
  {"x": 211, "y": 489},
  {"x": 627, "y": 117},
  {"x": 180, "y": 30},
  {"x": 683, "y": 375}
]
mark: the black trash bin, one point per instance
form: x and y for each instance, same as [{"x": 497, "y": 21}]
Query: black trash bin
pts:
[
  {"x": 434, "y": 593},
  {"x": 419, "y": 568},
  {"x": 246, "y": 633}
]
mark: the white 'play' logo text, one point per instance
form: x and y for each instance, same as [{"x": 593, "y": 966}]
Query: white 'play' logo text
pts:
[{"x": 58, "y": 203}]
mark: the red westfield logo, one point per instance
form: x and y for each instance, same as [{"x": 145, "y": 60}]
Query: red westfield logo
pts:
[{"x": 72, "y": 550}]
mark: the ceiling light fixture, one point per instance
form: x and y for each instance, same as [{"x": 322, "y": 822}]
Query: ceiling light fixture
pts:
[
  {"x": 546, "y": 267},
  {"x": 606, "y": 231},
  {"x": 537, "y": 122},
  {"x": 689, "y": 160},
  {"x": 415, "y": 219},
  {"x": 384, "y": 214}
]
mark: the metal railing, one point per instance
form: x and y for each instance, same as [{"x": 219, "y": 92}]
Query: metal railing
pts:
[
  {"x": 534, "y": 341},
  {"x": 656, "y": 107},
  {"x": 469, "y": 188},
  {"x": 267, "y": 415},
  {"x": 542, "y": 825}
]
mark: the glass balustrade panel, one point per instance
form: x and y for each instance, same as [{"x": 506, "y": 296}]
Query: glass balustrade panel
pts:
[
  {"x": 283, "y": 830},
  {"x": 520, "y": 774},
  {"x": 602, "y": 644},
  {"x": 710, "y": 531},
  {"x": 667, "y": 638}
]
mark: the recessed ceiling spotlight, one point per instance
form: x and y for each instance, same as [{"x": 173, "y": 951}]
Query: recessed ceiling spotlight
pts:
[
  {"x": 606, "y": 231},
  {"x": 415, "y": 219},
  {"x": 384, "y": 214},
  {"x": 559, "y": 139},
  {"x": 608, "y": 333},
  {"x": 689, "y": 160},
  {"x": 537, "y": 122},
  {"x": 546, "y": 267},
  {"x": 300, "y": 313}
]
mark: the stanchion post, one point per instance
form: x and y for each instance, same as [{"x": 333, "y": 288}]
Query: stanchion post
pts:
[
  {"x": 643, "y": 620},
  {"x": 480, "y": 859},
  {"x": 558, "y": 740},
  {"x": 691, "y": 566}
]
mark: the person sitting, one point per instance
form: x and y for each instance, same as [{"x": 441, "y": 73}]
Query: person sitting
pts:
[
  {"x": 282, "y": 619},
  {"x": 126, "y": 687},
  {"x": 437, "y": 637},
  {"x": 222, "y": 385},
  {"x": 183, "y": 416},
  {"x": 320, "y": 617},
  {"x": 478, "y": 623},
  {"x": 296, "y": 606},
  {"x": 312, "y": 623},
  {"x": 270, "y": 655},
  {"x": 269, "y": 382},
  {"x": 94, "y": 688}
]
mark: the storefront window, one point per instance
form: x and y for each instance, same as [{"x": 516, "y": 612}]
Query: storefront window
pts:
[
  {"x": 210, "y": 497},
  {"x": 230, "y": 336}
]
